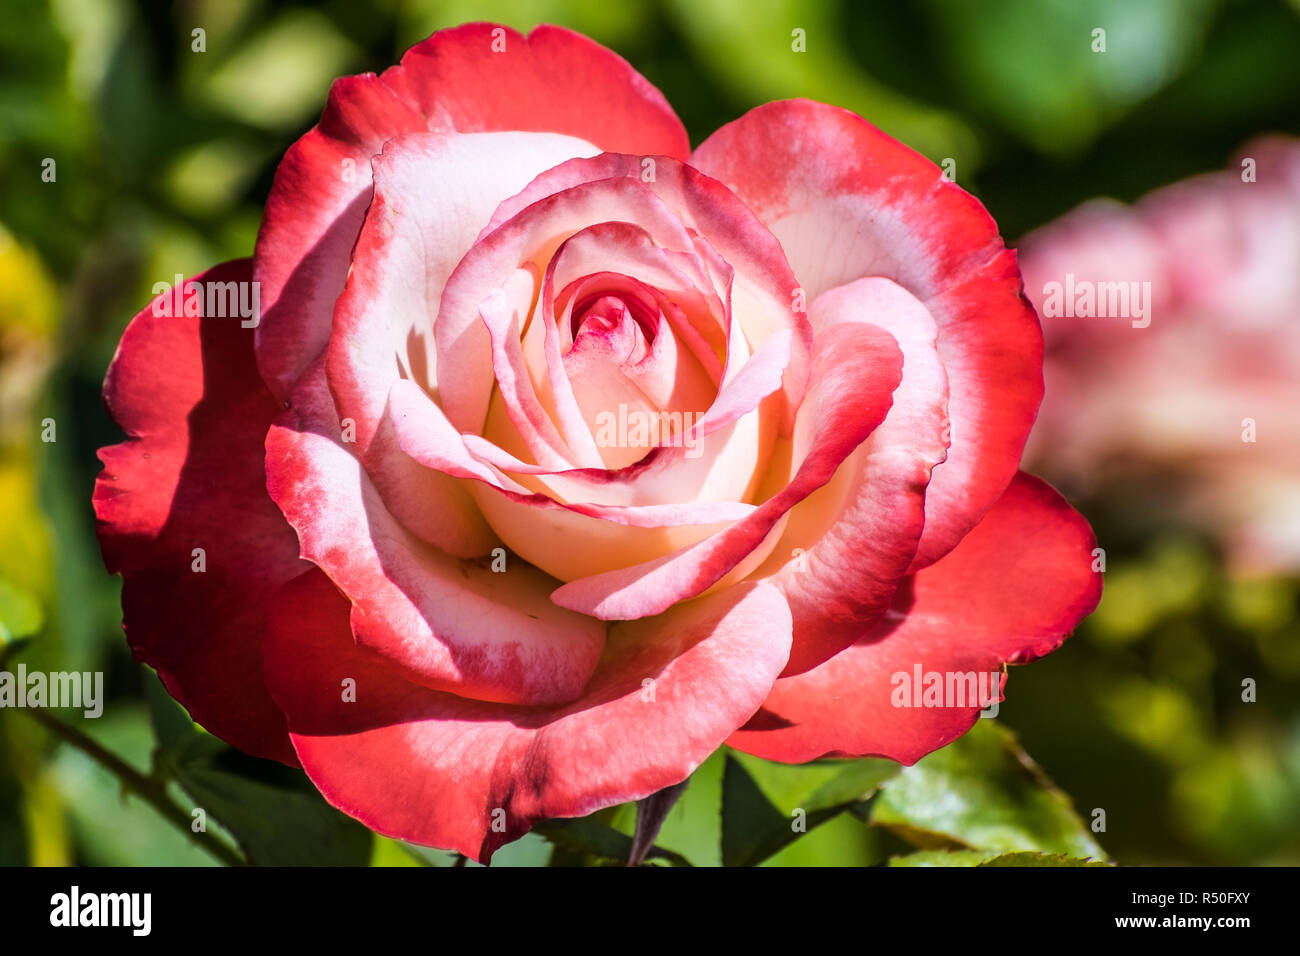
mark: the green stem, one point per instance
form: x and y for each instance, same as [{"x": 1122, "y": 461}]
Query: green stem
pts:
[{"x": 153, "y": 792}]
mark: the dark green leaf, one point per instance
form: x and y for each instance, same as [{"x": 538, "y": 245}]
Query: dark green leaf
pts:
[
  {"x": 983, "y": 792},
  {"x": 276, "y": 825},
  {"x": 274, "y": 813},
  {"x": 694, "y": 827},
  {"x": 767, "y": 806},
  {"x": 988, "y": 858},
  {"x": 592, "y": 838},
  {"x": 176, "y": 733},
  {"x": 752, "y": 828}
]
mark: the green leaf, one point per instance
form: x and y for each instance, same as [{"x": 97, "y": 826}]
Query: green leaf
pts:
[
  {"x": 590, "y": 837},
  {"x": 273, "y": 812},
  {"x": 175, "y": 732},
  {"x": 429, "y": 856},
  {"x": 762, "y": 802},
  {"x": 988, "y": 858},
  {"x": 694, "y": 826},
  {"x": 944, "y": 858},
  {"x": 982, "y": 792},
  {"x": 752, "y": 828},
  {"x": 285, "y": 823},
  {"x": 1040, "y": 859},
  {"x": 530, "y": 850},
  {"x": 392, "y": 853}
]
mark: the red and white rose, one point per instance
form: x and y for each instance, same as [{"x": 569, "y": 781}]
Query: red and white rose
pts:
[{"x": 562, "y": 454}]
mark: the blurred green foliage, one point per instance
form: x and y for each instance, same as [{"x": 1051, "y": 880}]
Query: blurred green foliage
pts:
[{"x": 162, "y": 155}]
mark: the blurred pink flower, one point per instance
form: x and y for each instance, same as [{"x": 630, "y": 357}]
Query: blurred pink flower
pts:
[{"x": 1204, "y": 401}]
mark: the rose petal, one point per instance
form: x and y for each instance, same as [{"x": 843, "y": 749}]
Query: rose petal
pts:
[
  {"x": 847, "y": 201},
  {"x": 718, "y": 470},
  {"x": 598, "y": 537},
  {"x": 482, "y": 77},
  {"x": 765, "y": 294},
  {"x": 717, "y": 455},
  {"x": 475, "y": 78},
  {"x": 620, "y": 260},
  {"x": 186, "y": 391},
  {"x": 315, "y": 209},
  {"x": 463, "y": 344},
  {"x": 526, "y": 422},
  {"x": 473, "y": 775},
  {"x": 444, "y": 622},
  {"x": 855, "y": 371},
  {"x": 432, "y": 194},
  {"x": 1012, "y": 591}
]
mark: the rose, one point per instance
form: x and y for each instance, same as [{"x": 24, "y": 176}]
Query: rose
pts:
[
  {"x": 1184, "y": 418},
  {"x": 471, "y": 269}
]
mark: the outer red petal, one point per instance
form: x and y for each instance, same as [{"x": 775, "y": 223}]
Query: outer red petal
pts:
[
  {"x": 189, "y": 475},
  {"x": 483, "y": 77},
  {"x": 441, "y": 770},
  {"x": 459, "y": 80},
  {"x": 847, "y": 201},
  {"x": 1012, "y": 591}
]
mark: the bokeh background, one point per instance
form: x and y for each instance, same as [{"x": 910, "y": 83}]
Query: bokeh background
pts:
[{"x": 163, "y": 156}]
